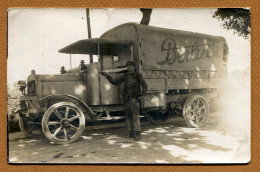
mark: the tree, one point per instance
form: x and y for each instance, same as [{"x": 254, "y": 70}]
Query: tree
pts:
[
  {"x": 236, "y": 19},
  {"x": 13, "y": 104}
]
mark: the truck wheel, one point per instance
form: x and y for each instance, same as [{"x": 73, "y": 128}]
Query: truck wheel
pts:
[
  {"x": 63, "y": 123},
  {"x": 28, "y": 127},
  {"x": 196, "y": 111},
  {"x": 157, "y": 117}
]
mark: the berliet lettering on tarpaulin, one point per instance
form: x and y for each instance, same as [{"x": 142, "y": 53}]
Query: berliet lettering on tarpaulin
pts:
[{"x": 183, "y": 53}]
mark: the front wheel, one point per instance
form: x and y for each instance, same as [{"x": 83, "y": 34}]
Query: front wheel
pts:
[
  {"x": 196, "y": 111},
  {"x": 63, "y": 123},
  {"x": 29, "y": 127}
]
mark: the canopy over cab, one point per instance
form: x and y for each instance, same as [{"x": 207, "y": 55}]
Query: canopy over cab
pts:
[
  {"x": 113, "y": 53},
  {"x": 97, "y": 46}
]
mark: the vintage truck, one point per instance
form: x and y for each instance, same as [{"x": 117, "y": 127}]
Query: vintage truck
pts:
[{"x": 184, "y": 72}]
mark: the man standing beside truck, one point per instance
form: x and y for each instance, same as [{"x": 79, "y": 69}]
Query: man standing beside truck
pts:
[{"x": 132, "y": 81}]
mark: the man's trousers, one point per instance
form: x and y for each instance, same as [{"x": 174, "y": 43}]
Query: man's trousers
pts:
[{"x": 132, "y": 115}]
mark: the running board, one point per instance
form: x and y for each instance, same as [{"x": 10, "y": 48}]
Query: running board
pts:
[
  {"x": 114, "y": 118},
  {"x": 116, "y": 125}
]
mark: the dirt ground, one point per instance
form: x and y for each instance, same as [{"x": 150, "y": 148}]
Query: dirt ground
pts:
[{"x": 172, "y": 142}]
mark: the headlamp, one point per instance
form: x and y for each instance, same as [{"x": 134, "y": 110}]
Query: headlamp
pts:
[{"x": 22, "y": 86}]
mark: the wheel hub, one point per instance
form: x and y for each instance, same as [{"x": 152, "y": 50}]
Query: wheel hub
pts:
[
  {"x": 65, "y": 123},
  {"x": 197, "y": 112}
]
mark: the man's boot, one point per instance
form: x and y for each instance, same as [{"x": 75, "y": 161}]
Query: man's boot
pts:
[
  {"x": 137, "y": 135},
  {"x": 131, "y": 134}
]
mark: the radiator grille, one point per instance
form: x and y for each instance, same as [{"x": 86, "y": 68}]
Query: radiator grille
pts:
[{"x": 32, "y": 88}]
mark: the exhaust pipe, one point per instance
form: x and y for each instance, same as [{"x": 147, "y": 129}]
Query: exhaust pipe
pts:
[
  {"x": 146, "y": 15},
  {"x": 89, "y": 32}
]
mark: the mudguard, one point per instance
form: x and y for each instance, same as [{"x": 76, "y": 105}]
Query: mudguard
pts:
[{"x": 48, "y": 101}]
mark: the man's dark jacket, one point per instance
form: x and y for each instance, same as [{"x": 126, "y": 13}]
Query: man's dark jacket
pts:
[{"x": 132, "y": 81}]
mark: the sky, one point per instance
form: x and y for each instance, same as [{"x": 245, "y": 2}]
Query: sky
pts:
[{"x": 35, "y": 35}]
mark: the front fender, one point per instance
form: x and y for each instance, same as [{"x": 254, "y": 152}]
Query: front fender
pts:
[{"x": 48, "y": 101}]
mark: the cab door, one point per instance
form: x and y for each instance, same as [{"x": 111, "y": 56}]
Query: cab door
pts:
[{"x": 114, "y": 65}]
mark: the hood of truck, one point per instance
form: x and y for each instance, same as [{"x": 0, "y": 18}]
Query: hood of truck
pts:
[
  {"x": 45, "y": 85},
  {"x": 58, "y": 77}
]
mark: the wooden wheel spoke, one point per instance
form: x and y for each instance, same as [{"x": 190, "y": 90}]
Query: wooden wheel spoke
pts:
[
  {"x": 65, "y": 134},
  {"x": 197, "y": 104},
  {"x": 53, "y": 123},
  {"x": 73, "y": 127},
  {"x": 197, "y": 120},
  {"x": 194, "y": 105},
  {"x": 30, "y": 131},
  {"x": 67, "y": 112},
  {"x": 73, "y": 118},
  {"x": 192, "y": 110},
  {"x": 57, "y": 114},
  {"x": 202, "y": 107},
  {"x": 202, "y": 114},
  {"x": 193, "y": 116},
  {"x": 56, "y": 132}
]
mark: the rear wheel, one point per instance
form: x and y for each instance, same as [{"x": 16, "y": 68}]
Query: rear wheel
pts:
[
  {"x": 196, "y": 111},
  {"x": 157, "y": 117},
  {"x": 63, "y": 123}
]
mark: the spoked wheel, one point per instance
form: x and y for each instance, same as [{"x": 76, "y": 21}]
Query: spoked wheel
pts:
[
  {"x": 29, "y": 127},
  {"x": 157, "y": 117},
  {"x": 63, "y": 123},
  {"x": 196, "y": 111}
]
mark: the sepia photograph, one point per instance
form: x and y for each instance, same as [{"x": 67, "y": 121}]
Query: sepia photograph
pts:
[{"x": 129, "y": 86}]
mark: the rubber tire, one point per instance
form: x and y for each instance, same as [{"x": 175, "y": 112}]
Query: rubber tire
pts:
[
  {"x": 21, "y": 125},
  {"x": 46, "y": 116},
  {"x": 186, "y": 115}
]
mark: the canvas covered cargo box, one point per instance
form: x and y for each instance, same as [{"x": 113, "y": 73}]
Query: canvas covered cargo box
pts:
[
  {"x": 173, "y": 59},
  {"x": 187, "y": 60}
]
